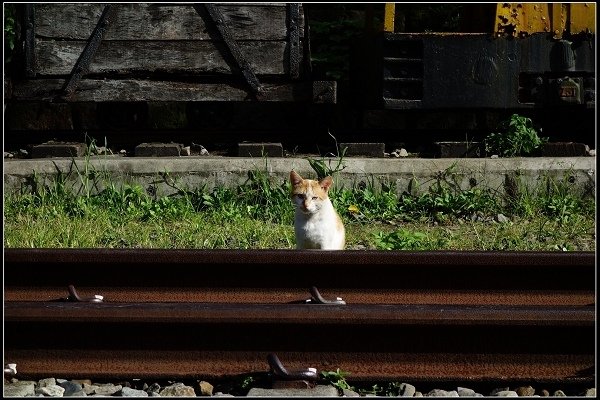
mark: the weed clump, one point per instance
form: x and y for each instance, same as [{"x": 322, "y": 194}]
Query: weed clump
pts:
[
  {"x": 517, "y": 137},
  {"x": 93, "y": 212}
]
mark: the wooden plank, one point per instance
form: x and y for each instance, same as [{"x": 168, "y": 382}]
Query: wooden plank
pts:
[
  {"x": 161, "y": 22},
  {"x": 92, "y": 90},
  {"x": 59, "y": 57},
  {"x": 29, "y": 41}
]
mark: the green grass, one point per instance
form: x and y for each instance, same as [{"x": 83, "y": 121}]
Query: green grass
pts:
[{"x": 259, "y": 215}]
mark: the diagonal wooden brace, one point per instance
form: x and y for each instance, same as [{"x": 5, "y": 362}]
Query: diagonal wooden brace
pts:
[
  {"x": 237, "y": 54},
  {"x": 87, "y": 55}
]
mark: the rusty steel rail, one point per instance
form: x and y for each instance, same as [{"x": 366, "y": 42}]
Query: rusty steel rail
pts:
[
  {"x": 209, "y": 313},
  {"x": 420, "y": 316}
]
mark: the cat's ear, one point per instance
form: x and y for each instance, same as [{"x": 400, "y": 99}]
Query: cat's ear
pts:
[
  {"x": 295, "y": 178},
  {"x": 326, "y": 183}
]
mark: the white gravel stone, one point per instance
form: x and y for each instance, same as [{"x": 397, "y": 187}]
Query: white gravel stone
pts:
[
  {"x": 19, "y": 389},
  {"x": 507, "y": 393},
  {"x": 206, "y": 389},
  {"x": 317, "y": 391},
  {"x": 107, "y": 389},
  {"x": 51, "y": 390},
  {"x": 179, "y": 390},
  {"x": 129, "y": 392},
  {"x": 46, "y": 382},
  {"x": 442, "y": 393},
  {"x": 70, "y": 387},
  {"x": 349, "y": 393},
  {"x": 465, "y": 392},
  {"x": 407, "y": 390},
  {"x": 89, "y": 389},
  {"x": 502, "y": 218}
]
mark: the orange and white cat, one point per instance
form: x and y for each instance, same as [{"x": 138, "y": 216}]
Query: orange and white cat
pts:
[{"x": 316, "y": 223}]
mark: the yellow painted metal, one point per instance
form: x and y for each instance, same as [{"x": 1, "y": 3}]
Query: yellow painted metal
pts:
[
  {"x": 388, "y": 20},
  {"x": 583, "y": 18},
  {"x": 518, "y": 18},
  {"x": 557, "y": 18}
]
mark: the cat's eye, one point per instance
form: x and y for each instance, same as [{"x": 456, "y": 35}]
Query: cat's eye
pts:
[{"x": 315, "y": 197}]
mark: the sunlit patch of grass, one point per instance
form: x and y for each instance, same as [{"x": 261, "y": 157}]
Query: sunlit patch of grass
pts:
[{"x": 259, "y": 215}]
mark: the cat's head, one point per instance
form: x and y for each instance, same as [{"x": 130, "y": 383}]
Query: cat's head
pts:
[{"x": 308, "y": 195}]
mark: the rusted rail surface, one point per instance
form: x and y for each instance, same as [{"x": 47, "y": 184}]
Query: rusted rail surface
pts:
[
  {"x": 297, "y": 257},
  {"x": 299, "y": 313},
  {"x": 424, "y": 316}
]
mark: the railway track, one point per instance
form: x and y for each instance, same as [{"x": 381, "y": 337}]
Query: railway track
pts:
[{"x": 377, "y": 315}]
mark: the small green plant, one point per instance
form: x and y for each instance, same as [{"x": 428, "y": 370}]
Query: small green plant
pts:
[
  {"x": 374, "y": 390},
  {"x": 400, "y": 239},
  {"x": 10, "y": 33},
  {"x": 336, "y": 379},
  {"x": 517, "y": 137},
  {"x": 323, "y": 168},
  {"x": 365, "y": 201},
  {"x": 247, "y": 382}
]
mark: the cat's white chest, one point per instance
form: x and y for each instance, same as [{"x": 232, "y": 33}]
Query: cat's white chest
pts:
[{"x": 318, "y": 231}]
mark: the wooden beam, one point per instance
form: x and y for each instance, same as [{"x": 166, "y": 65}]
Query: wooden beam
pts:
[
  {"x": 162, "y": 22},
  {"x": 97, "y": 90},
  {"x": 58, "y": 57}
]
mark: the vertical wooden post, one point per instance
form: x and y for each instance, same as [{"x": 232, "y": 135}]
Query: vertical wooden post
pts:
[{"x": 29, "y": 40}]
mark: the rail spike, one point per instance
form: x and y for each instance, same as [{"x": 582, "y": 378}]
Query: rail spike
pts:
[
  {"x": 74, "y": 296},
  {"x": 318, "y": 299},
  {"x": 277, "y": 368}
]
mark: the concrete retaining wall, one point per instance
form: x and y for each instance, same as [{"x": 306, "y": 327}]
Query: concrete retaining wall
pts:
[{"x": 162, "y": 175}]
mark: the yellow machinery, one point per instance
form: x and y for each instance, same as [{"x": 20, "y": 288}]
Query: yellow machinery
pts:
[
  {"x": 556, "y": 18},
  {"x": 520, "y": 19},
  {"x": 526, "y": 55}
]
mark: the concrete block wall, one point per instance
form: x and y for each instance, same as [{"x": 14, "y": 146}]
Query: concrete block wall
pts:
[{"x": 163, "y": 175}]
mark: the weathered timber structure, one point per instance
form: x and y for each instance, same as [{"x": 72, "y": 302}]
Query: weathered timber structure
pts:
[{"x": 167, "y": 52}]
